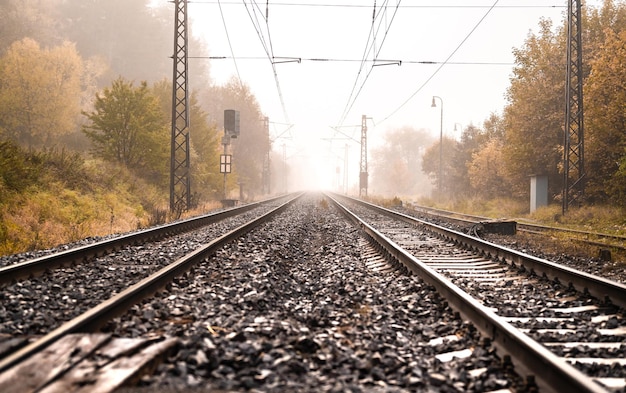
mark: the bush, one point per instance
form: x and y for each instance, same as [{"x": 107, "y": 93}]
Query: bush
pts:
[{"x": 18, "y": 169}]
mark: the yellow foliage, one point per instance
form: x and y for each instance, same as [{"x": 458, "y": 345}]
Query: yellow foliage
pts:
[
  {"x": 53, "y": 214},
  {"x": 39, "y": 95}
]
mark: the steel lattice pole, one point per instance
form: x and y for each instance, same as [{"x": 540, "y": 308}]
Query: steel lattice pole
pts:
[{"x": 180, "y": 185}]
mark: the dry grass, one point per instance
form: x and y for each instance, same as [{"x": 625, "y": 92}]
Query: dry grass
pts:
[
  {"x": 600, "y": 219},
  {"x": 603, "y": 219},
  {"x": 52, "y": 212}
]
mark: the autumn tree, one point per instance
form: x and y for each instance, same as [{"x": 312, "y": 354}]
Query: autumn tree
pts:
[
  {"x": 486, "y": 173},
  {"x": 482, "y": 158},
  {"x": 472, "y": 139},
  {"x": 39, "y": 92},
  {"x": 457, "y": 157},
  {"x": 34, "y": 19},
  {"x": 396, "y": 165},
  {"x": 434, "y": 166},
  {"x": 135, "y": 37},
  {"x": 535, "y": 113},
  {"x": 606, "y": 121},
  {"x": 127, "y": 126}
]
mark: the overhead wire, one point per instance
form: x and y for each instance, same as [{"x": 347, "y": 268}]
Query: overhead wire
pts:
[
  {"x": 370, "y": 35},
  {"x": 442, "y": 64},
  {"x": 267, "y": 46},
  {"x": 351, "y": 99},
  {"x": 335, "y": 5},
  {"x": 369, "y": 48},
  {"x": 230, "y": 46},
  {"x": 374, "y": 59},
  {"x": 272, "y": 57},
  {"x": 337, "y": 60}
]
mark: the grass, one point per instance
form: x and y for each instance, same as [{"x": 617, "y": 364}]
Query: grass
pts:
[
  {"x": 101, "y": 199},
  {"x": 602, "y": 219}
]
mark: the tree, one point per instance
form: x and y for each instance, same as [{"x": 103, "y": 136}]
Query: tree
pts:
[
  {"x": 396, "y": 165},
  {"x": 39, "y": 92},
  {"x": 486, "y": 173},
  {"x": 127, "y": 126},
  {"x": 431, "y": 164},
  {"x": 134, "y": 36},
  {"x": 472, "y": 140},
  {"x": 32, "y": 19},
  {"x": 534, "y": 116},
  {"x": 136, "y": 40},
  {"x": 478, "y": 168},
  {"x": 606, "y": 121}
]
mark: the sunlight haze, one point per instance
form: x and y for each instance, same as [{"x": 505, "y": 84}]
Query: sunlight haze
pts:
[{"x": 337, "y": 61}]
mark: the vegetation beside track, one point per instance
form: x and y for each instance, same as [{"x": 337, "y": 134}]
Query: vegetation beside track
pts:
[
  {"x": 594, "y": 218},
  {"x": 57, "y": 197}
]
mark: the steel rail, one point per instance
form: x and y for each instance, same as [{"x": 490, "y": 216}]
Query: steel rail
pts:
[
  {"x": 599, "y": 287},
  {"x": 96, "y": 317},
  {"x": 529, "y": 357},
  {"x": 79, "y": 254}
]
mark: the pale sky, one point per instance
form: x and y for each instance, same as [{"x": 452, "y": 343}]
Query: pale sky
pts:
[{"x": 459, "y": 50}]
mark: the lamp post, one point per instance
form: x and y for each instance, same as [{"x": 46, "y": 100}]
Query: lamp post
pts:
[{"x": 434, "y": 105}]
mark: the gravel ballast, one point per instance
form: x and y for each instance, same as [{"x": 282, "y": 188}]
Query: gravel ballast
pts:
[{"x": 293, "y": 307}]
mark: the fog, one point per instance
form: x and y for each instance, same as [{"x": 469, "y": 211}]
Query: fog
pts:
[{"x": 134, "y": 39}]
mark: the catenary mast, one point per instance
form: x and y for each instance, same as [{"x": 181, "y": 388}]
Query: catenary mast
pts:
[
  {"x": 180, "y": 183},
  {"x": 573, "y": 146}
]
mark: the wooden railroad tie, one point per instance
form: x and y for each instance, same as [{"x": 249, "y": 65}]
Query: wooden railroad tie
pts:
[{"x": 81, "y": 363}]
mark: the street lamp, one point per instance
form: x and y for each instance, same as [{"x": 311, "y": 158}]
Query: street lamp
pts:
[{"x": 434, "y": 105}]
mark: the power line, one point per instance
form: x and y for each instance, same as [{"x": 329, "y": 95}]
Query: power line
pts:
[
  {"x": 258, "y": 13},
  {"x": 285, "y": 4},
  {"x": 350, "y": 104},
  {"x": 442, "y": 64},
  {"x": 371, "y": 35},
  {"x": 297, "y": 59},
  {"x": 229, "y": 44},
  {"x": 268, "y": 51}
]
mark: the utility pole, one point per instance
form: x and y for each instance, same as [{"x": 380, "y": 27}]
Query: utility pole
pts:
[
  {"x": 180, "y": 184},
  {"x": 574, "y": 146},
  {"x": 363, "y": 175}
]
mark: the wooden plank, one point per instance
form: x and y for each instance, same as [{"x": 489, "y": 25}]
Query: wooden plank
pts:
[
  {"x": 120, "y": 363},
  {"x": 85, "y": 372},
  {"x": 42, "y": 368}
]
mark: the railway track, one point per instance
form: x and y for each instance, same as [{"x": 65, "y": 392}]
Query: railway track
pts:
[
  {"x": 603, "y": 240},
  {"x": 291, "y": 310},
  {"x": 12, "y": 269},
  {"x": 564, "y": 316}
]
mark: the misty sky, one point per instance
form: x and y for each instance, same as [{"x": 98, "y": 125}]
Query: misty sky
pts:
[{"x": 324, "y": 50}]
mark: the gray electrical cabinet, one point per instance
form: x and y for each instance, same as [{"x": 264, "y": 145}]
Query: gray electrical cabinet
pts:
[{"x": 538, "y": 192}]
